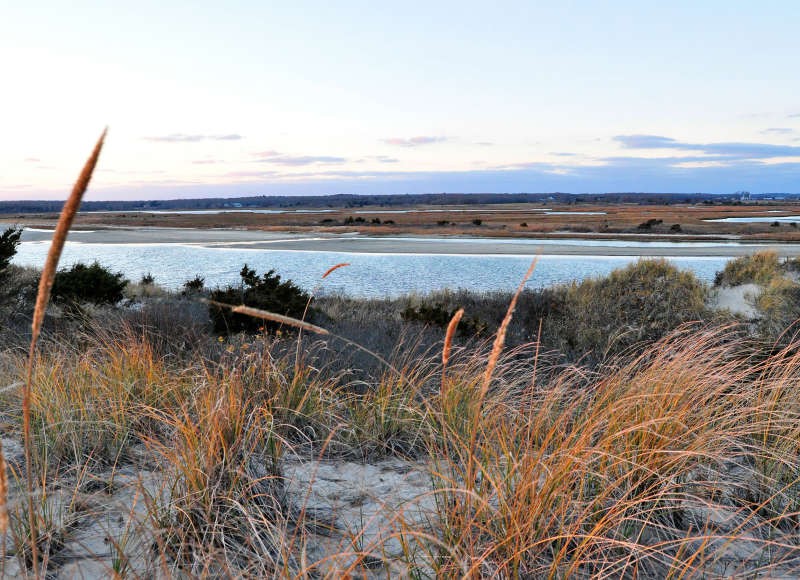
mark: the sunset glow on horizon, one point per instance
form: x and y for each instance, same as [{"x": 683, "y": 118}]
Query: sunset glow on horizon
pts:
[{"x": 275, "y": 98}]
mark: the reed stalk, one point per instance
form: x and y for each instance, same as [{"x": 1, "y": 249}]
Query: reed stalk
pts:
[{"x": 42, "y": 298}]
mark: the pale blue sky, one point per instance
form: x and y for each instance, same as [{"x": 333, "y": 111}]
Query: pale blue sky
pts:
[{"x": 234, "y": 98}]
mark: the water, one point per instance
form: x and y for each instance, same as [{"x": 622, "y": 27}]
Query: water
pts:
[
  {"x": 536, "y": 242},
  {"x": 753, "y": 220},
  {"x": 374, "y": 275}
]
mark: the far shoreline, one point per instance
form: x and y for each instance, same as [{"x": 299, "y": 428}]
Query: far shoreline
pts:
[{"x": 356, "y": 243}]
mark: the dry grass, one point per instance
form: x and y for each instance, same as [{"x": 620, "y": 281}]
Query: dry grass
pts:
[
  {"x": 661, "y": 465},
  {"x": 681, "y": 460}
]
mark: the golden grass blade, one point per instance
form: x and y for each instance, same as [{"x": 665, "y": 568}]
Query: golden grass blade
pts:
[
  {"x": 264, "y": 315},
  {"x": 42, "y": 298},
  {"x": 500, "y": 340},
  {"x": 3, "y": 509},
  {"x": 3, "y": 493},
  {"x": 60, "y": 236},
  {"x": 336, "y": 267},
  {"x": 448, "y": 343}
]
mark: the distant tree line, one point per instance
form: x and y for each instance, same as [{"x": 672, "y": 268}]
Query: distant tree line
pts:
[{"x": 354, "y": 201}]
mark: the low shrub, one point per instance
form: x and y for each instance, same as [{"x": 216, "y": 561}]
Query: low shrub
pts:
[
  {"x": 649, "y": 224},
  {"x": 477, "y": 222},
  {"x": 779, "y": 306},
  {"x": 266, "y": 292},
  {"x": 95, "y": 283},
  {"x": 641, "y": 302},
  {"x": 194, "y": 286},
  {"x": 438, "y": 315}
]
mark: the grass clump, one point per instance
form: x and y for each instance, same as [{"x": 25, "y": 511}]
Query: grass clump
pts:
[
  {"x": 641, "y": 302},
  {"x": 758, "y": 268}
]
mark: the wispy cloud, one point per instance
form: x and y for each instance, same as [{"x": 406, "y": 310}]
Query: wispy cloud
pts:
[
  {"x": 32, "y": 160},
  {"x": 295, "y": 161},
  {"x": 205, "y": 161},
  {"x": 187, "y": 138},
  {"x": 485, "y": 143},
  {"x": 413, "y": 141},
  {"x": 383, "y": 159},
  {"x": 778, "y": 131},
  {"x": 730, "y": 150}
]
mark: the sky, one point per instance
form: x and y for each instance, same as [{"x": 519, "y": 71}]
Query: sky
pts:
[{"x": 274, "y": 98}]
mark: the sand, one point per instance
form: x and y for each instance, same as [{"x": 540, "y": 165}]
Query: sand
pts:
[{"x": 255, "y": 239}]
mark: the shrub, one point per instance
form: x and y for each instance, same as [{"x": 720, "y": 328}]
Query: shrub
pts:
[
  {"x": 641, "y": 302},
  {"x": 675, "y": 228},
  {"x": 9, "y": 240},
  {"x": 441, "y": 223},
  {"x": 775, "y": 224},
  {"x": 389, "y": 222},
  {"x": 779, "y": 305},
  {"x": 438, "y": 315},
  {"x": 649, "y": 224},
  {"x": 82, "y": 283},
  {"x": 195, "y": 285},
  {"x": 147, "y": 279},
  {"x": 376, "y": 221},
  {"x": 759, "y": 268},
  {"x": 267, "y": 292},
  {"x": 523, "y": 225},
  {"x": 477, "y": 222}
]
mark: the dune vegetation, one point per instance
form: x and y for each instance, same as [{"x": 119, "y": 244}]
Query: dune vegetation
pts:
[{"x": 617, "y": 427}]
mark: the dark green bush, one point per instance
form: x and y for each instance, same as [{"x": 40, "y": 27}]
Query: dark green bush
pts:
[
  {"x": 147, "y": 279},
  {"x": 194, "y": 286},
  {"x": 477, "y": 222},
  {"x": 438, "y": 315},
  {"x": 267, "y": 292},
  {"x": 9, "y": 240},
  {"x": 649, "y": 224},
  {"x": 82, "y": 283}
]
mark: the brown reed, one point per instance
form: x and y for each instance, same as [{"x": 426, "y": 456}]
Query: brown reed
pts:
[
  {"x": 336, "y": 267},
  {"x": 448, "y": 343},
  {"x": 3, "y": 493},
  {"x": 3, "y": 509},
  {"x": 500, "y": 340},
  {"x": 264, "y": 315},
  {"x": 42, "y": 298}
]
